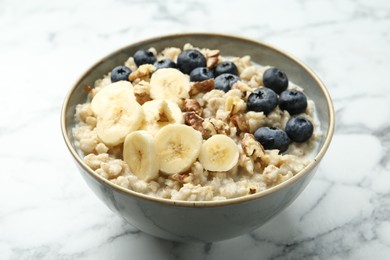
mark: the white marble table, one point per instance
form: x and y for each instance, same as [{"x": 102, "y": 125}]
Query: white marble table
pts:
[{"x": 48, "y": 212}]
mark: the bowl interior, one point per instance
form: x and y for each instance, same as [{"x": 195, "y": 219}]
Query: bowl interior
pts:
[{"x": 229, "y": 46}]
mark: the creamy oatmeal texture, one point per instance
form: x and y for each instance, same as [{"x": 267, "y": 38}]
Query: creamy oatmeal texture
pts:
[{"x": 219, "y": 156}]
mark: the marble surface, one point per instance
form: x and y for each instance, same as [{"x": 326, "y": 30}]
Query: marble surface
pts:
[{"x": 48, "y": 212}]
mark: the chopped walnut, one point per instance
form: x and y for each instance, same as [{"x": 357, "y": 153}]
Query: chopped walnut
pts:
[
  {"x": 239, "y": 121},
  {"x": 216, "y": 126},
  {"x": 202, "y": 86},
  {"x": 246, "y": 163},
  {"x": 142, "y": 92},
  {"x": 191, "y": 105},
  {"x": 254, "y": 149},
  {"x": 182, "y": 177},
  {"x": 142, "y": 73},
  {"x": 195, "y": 121},
  {"x": 212, "y": 57},
  {"x": 142, "y": 98}
]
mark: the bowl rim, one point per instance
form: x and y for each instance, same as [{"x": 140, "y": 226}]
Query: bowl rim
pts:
[{"x": 197, "y": 204}]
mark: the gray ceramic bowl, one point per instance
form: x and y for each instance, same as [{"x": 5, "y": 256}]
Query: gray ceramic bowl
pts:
[{"x": 202, "y": 221}]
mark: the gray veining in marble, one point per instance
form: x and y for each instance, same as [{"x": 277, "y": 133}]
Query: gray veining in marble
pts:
[{"x": 48, "y": 212}]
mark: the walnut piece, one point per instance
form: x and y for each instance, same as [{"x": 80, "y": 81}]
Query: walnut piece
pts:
[
  {"x": 142, "y": 92},
  {"x": 202, "y": 87},
  {"x": 212, "y": 57},
  {"x": 254, "y": 149},
  {"x": 181, "y": 177},
  {"x": 191, "y": 105},
  {"x": 216, "y": 126},
  {"x": 142, "y": 73},
  {"x": 239, "y": 121},
  {"x": 195, "y": 121}
]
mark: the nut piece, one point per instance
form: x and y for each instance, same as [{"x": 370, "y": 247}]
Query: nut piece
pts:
[
  {"x": 181, "y": 177},
  {"x": 202, "y": 86},
  {"x": 142, "y": 73},
  {"x": 212, "y": 57},
  {"x": 191, "y": 105},
  {"x": 239, "y": 121},
  {"x": 254, "y": 149},
  {"x": 216, "y": 126},
  {"x": 142, "y": 92},
  {"x": 195, "y": 121}
]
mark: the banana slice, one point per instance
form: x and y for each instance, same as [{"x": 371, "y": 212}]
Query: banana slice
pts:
[
  {"x": 219, "y": 153},
  {"x": 140, "y": 153},
  {"x": 121, "y": 90},
  {"x": 169, "y": 84},
  {"x": 159, "y": 113},
  {"x": 118, "y": 120},
  {"x": 178, "y": 146}
]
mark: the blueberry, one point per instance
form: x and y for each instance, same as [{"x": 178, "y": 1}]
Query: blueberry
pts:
[
  {"x": 226, "y": 67},
  {"x": 262, "y": 100},
  {"x": 144, "y": 57},
  {"x": 275, "y": 79},
  {"x": 201, "y": 73},
  {"x": 293, "y": 101},
  {"x": 299, "y": 129},
  {"x": 120, "y": 73},
  {"x": 225, "y": 81},
  {"x": 272, "y": 138},
  {"x": 188, "y": 60},
  {"x": 165, "y": 63}
]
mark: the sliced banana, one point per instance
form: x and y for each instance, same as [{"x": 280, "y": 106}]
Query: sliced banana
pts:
[
  {"x": 159, "y": 113},
  {"x": 140, "y": 153},
  {"x": 169, "y": 84},
  {"x": 121, "y": 90},
  {"x": 117, "y": 121},
  {"x": 219, "y": 153},
  {"x": 178, "y": 146}
]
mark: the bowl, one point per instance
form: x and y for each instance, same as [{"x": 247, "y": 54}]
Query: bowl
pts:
[{"x": 198, "y": 221}]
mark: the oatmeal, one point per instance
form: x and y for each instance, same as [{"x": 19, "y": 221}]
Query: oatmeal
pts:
[{"x": 196, "y": 125}]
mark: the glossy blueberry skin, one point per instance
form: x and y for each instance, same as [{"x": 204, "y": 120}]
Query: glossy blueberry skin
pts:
[
  {"x": 225, "y": 81},
  {"x": 188, "y": 60},
  {"x": 201, "y": 73},
  {"x": 275, "y": 79},
  {"x": 226, "y": 67},
  {"x": 165, "y": 63},
  {"x": 294, "y": 101},
  {"x": 262, "y": 100},
  {"x": 272, "y": 138},
  {"x": 299, "y": 129},
  {"x": 120, "y": 73},
  {"x": 144, "y": 57}
]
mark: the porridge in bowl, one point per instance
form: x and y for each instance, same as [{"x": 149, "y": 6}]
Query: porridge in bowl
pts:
[{"x": 196, "y": 125}]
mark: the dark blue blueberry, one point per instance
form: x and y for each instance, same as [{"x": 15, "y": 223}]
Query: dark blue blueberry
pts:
[
  {"x": 262, "y": 100},
  {"x": 201, "y": 73},
  {"x": 275, "y": 79},
  {"x": 272, "y": 138},
  {"x": 225, "y": 81},
  {"x": 165, "y": 63},
  {"x": 293, "y": 101},
  {"x": 299, "y": 129},
  {"x": 120, "y": 73},
  {"x": 144, "y": 57},
  {"x": 226, "y": 67},
  {"x": 188, "y": 60}
]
